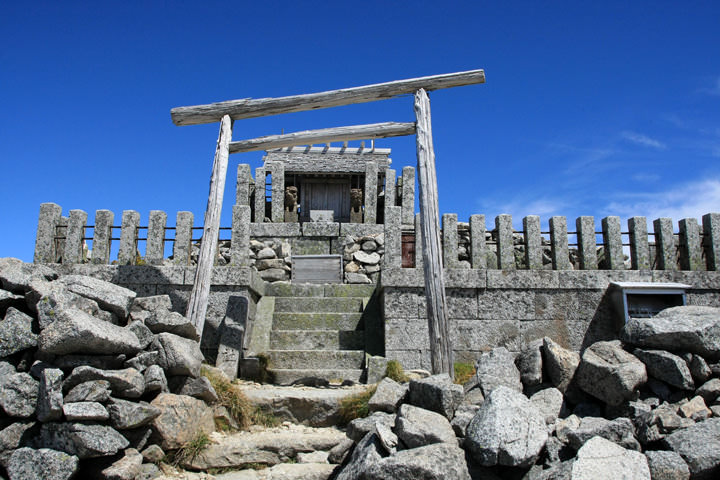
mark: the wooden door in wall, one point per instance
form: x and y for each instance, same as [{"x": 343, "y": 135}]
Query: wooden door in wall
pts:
[
  {"x": 325, "y": 194},
  {"x": 408, "y": 251}
]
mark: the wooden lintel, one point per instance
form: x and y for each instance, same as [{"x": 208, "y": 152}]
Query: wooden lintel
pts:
[
  {"x": 260, "y": 107},
  {"x": 325, "y": 135}
]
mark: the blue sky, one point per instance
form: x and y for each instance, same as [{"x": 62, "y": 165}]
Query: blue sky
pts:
[{"x": 590, "y": 108}]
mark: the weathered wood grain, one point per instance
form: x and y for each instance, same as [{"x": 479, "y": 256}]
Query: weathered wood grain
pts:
[
  {"x": 441, "y": 354},
  {"x": 325, "y": 135},
  {"x": 260, "y": 107},
  {"x": 197, "y": 305}
]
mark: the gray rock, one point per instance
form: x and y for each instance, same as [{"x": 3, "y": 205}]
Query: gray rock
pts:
[
  {"x": 172, "y": 322},
  {"x": 274, "y": 275},
  {"x": 695, "y": 409},
  {"x": 474, "y": 397},
  {"x": 337, "y": 454},
  {"x": 126, "y": 468},
  {"x": 138, "y": 437},
  {"x": 143, "y": 360},
  {"x": 550, "y": 403},
  {"x": 181, "y": 418},
  {"x": 46, "y": 298},
  {"x": 507, "y": 430},
  {"x": 110, "y": 297},
  {"x": 126, "y": 383},
  {"x": 360, "y": 427},
  {"x": 351, "y": 277},
  {"x": 85, "y": 441},
  {"x": 50, "y": 397},
  {"x": 688, "y": 329},
  {"x": 19, "y": 394},
  {"x": 666, "y": 465},
  {"x": 148, "y": 471},
  {"x": 529, "y": 362},
  {"x": 699, "y": 369},
  {"x": 709, "y": 390},
  {"x": 417, "y": 427},
  {"x": 366, "y": 454},
  {"x": 103, "y": 362},
  {"x": 463, "y": 416},
  {"x": 85, "y": 412},
  {"x": 699, "y": 446},
  {"x": 17, "y": 434},
  {"x": 600, "y": 455},
  {"x": 436, "y": 393},
  {"x": 388, "y": 395},
  {"x": 45, "y": 464},
  {"x": 127, "y": 415},
  {"x": 666, "y": 367},
  {"x": 266, "y": 253},
  {"x": 178, "y": 355},
  {"x": 16, "y": 275},
  {"x": 433, "y": 462},
  {"x": 8, "y": 299},
  {"x": 609, "y": 373},
  {"x": 143, "y": 307},
  {"x": 366, "y": 258},
  {"x": 199, "y": 388},
  {"x": 16, "y": 333},
  {"x": 652, "y": 426},
  {"x": 92, "y": 391},
  {"x": 618, "y": 431},
  {"x": 496, "y": 368},
  {"x": 155, "y": 380},
  {"x": 153, "y": 453},
  {"x": 144, "y": 335},
  {"x": 74, "y": 331},
  {"x": 387, "y": 438},
  {"x": 559, "y": 363}
]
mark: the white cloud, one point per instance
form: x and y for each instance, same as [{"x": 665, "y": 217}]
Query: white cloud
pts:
[
  {"x": 643, "y": 140},
  {"x": 691, "y": 200}
]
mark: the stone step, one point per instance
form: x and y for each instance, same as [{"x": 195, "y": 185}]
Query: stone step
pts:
[
  {"x": 317, "y": 321},
  {"x": 318, "y": 304},
  {"x": 317, "y": 340},
  {"x": 316, "y": 359},
  {"x": 286, "y": 289},
  {"x": 286, "y": 376}
]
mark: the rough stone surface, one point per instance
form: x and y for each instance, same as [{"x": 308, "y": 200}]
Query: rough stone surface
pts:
[
  {"x": 142, "y": 361},
  {"x": 337, "y": 454},
  {"x": 387, "y": 396},
  {"x": 85, "y": 411},
  {"x": 695, "y": 409},
  {"x": 91, "y": 391},
  {"x": 417, "y": 427},
  {"x": 16, "y": 275},
  {"x": 618, "y": 431},
  {"x": 153, "y": 453},
  {"x": 699, "y": 369},
  {"x": 699, "y": 446},
  {"x": 19, "y": 394},
  {"x": 367, "y": 258},
  {"x": 85, "y": 441},
  {"x": 463, "y": 416},
  {"x": 155, "y": 380},
  {"x": 691, "y": 329},
  {"x": 666, "y": 367},
  {"x": 171, "y": 322},
  {"x": 199, "y": 388},
  {"x": 17, "y": 434},
  {"x": 507, "y": 430},
  {"x": 709, "y": 390},
  {"x": 600, "y": 455},
  {"x": 439, "y": 461},
  {"x": 530, "y": 364},
  {"x": 360, "y": 427},
  {"x": 559, "y": 363},
  {"x": 496, "y": 368},
  {"x": 109, "y": 296},
  {"x": 609, "y": 373},
  {"x": 665, "y": 465},
  {"x": 178, "y": 355},
  {"x": 366, "y": 453},
  {"x": 144, "y": 307},
  {"x": 126, "y": 383},
  {"x": 550, "y": 403},
  {"x": 45, "y": 464},
  {"x": 143, "y": 333},
  {"x": 127, "y": 415},
  {"x": 16, "y": 333},
  {"x": 50, "y": 397},
  {"x": 181, "y": 418},
  {"x": 436, "y": 393},
  {"x": 126, "y": 468},
  {"x": 75, "y": 331}
]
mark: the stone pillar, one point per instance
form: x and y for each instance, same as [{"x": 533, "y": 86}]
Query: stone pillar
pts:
[
  {"x": 259, "y": 195},
  {"x": 533, "y": 242},
  {"x": 586, "y": 243},
  {"x": 45, "y": 238},
  {"x": 450, "y": 240},
  {"x": 182, "y": 247},
  {"x": 665, "y": 244},
  {"x": 639, "y": 248},
  {"x": 101, "y": 237},
  {"x": 477, "y": 242},
  {"x": 390, "y": 188},
  {"x": 59, "y": 244},
  {"x": 690, "y": 246},
  {"x": 419, "y": 261},
  {"x": 393, "y": 240},
  {"x": 232, "y": 334},
  {"x": 505, "y": 247},
  {"x": 240, "y": 243},
  {"x": 371, "y": 177},
  {"x": 408, "y": 195},
  {"x": 74, "y": 237},
  {"x": 711, "y": 240},
  {"x": 612, "y": 241},
  {"x": 242, "y": 187},
  {"x": 559, "y": 243},
  {"x": 155, "y": 244},
  {"x": 128, "y": 237},
  {"x": 278, "y": 192}
]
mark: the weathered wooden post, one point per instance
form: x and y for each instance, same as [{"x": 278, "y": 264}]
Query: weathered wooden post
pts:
[
  {"x": 197, "y": 306},
  {"x": 441, "y": 355}
]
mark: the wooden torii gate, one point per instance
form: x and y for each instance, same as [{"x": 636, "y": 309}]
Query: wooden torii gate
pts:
[{"x": 226, "y": 112}]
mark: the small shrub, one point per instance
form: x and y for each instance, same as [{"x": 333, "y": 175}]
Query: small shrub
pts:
[
  {"x": 265, "y": 418},
  {"x": 395, "y": 371},
  {"x": 232, "y": 398},
  {"x": 190, "y": 450},
  {"x": 463, "y": 372},
  {"x": 356, "y": 406}
]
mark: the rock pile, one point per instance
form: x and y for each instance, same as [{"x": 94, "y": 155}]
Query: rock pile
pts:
[
  {"x": 362, "y": 257},
  {"x": 646, "y": 406},
  {"x": 94, "y": 382}
]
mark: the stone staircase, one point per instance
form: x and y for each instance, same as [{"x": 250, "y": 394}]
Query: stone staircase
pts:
[{"x": 318, "y": 331}]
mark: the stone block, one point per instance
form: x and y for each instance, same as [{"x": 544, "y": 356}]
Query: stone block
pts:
[
  {"x": 320, "y": 229},
  {"x": 711, "y": 240},
  {"x": 612, "y": 241},
  {"x": 587, "y": 244},
  {"x": 408, "y": 195},
  {"x": 240, "y": 243},
  {"x": 449, "y": 240},
  {"x": 259, "y": 210},
  {"x": 183, "y": 238},
  {"x": 242, "y": 186},
  {"x": 102, "y": 233},
  {"x": 559, "y": 243},
  {"x": 75, "y": 232},
  {"x": 690, "y": 245},
  {"x": 533, "y": 242},
  {"x": 275, "y": 230},
  {"x": 45, "y": 238},
  {"x": 639, "y": 247},
  {"x": 128, "y": 237},
  {"x": 478, "y": 258},
  {"x": 505, "y": 247},
  {"x": 666, "y": 251}
]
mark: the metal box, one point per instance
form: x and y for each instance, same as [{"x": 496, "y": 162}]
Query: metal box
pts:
[{"x": 645, "y": 299}]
